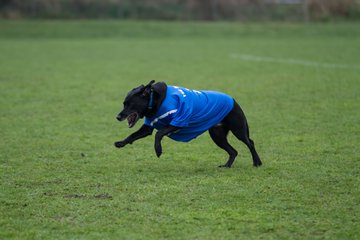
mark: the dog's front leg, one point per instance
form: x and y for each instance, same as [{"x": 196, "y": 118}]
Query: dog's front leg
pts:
[
  {"x": 159, "y": 135},
  {"x": 141, "y": 133}
]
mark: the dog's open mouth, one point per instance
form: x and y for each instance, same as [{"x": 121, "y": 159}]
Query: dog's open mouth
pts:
[{"x": 132, "y": 119}]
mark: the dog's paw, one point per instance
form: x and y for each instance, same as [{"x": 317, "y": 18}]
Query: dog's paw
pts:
[
  {"x": 119, "y": 144},
  {"x": 257, "y": 163},
  {"x": 158, "y": 150},
  {"x": 224, "y": 166}
]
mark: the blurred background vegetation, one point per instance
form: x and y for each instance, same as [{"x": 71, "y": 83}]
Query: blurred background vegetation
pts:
[{"x": 243, "y": 10}]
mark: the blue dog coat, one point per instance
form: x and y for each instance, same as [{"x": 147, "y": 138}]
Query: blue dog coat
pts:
[{"x": 193, "y": 111}]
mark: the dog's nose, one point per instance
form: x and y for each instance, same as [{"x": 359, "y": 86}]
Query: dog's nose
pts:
[{"x": 118, "y": 117}]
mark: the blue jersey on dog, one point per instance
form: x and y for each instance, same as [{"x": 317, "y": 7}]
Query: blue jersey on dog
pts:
[{"x": 194, "y": 111}]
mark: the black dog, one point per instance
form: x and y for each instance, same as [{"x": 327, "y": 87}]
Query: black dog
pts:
[{"x": 183, "y": 114}]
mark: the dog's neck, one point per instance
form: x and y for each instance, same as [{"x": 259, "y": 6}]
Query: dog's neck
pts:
[
  {"x": 150, "y": 106},
  {"x": 156, "y": 97}
]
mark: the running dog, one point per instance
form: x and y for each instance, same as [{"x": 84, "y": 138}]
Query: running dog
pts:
[{"x": 184, "y": 114}]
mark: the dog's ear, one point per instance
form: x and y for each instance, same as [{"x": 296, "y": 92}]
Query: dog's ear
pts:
[
  {"x": 159, "y": 88},
  {"x": 149, "y": 84},
  {"x": 136, "y": 90},
  {"x": 147, "y": 88}
]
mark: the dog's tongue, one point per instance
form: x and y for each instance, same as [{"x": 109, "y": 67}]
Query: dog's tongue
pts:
[{"x": 131, "y": 120}]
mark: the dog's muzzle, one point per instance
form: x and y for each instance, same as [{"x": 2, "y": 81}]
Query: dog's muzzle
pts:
[
  {"x": 120, "y": 117},
  {"x": 131, "y": 118}
]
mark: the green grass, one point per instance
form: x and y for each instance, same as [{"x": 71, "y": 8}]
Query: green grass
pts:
[{"x": 62, "y": 83}]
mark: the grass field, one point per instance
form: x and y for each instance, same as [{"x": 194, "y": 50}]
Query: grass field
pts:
[{"x": 62, "y": 84}]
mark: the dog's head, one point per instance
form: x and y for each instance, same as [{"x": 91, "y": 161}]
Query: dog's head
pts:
[{"x": 136, "y": 104}]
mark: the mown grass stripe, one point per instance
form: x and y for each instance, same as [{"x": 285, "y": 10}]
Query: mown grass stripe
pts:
[{"x": 291, "y": 61}]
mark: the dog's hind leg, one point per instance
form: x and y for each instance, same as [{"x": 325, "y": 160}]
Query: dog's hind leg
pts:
[
  {"x": 251, "y": 145},
  {"x": 218, "y": 134},
  {"x": 236, "y": 122}
]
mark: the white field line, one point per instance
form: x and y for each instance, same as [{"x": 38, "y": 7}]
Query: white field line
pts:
[{"x": 254, "y": 58}]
